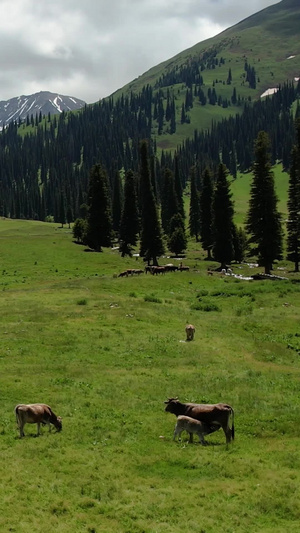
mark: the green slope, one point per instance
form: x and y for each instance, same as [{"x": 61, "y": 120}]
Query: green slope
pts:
[{"x": 269, "y": 41}]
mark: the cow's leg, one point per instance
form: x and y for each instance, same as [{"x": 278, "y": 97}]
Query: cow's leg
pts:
[
  {"x": 21, "y": 427},
  {"x": 201, "y": 439},
  {"x": 176, "y": 432},
  {"x": 38, "y": 428},
  {"x": 227, "y": 432}
]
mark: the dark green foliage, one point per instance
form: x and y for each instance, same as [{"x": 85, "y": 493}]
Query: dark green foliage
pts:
[
  {"x": 62, "y": 210},
  {"x": 240, "y": 244},
  {"x": 129, "y": 225},
  {"x": 178, "y": 186},
  {"x": 169, "y": 204},
  {"x": 99, "y": 227},
  {"x": 117, "y": 202},
  {"x": 177, "y": 241},
  {"x": 222, "y": 219},
  {"x": 206, "y": 200},
  {"x": 263, "y": 219},
  {"x": 194, "y": 214},
  {"x": 79, "y": 229},
  {"x": 151, "y": 245},
  {"x": 70, "y": 217},
  {"x": 293, "y": 223}
]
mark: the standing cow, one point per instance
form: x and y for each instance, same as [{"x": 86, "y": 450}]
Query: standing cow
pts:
[
  {"x": 190, "y": 332},
  {"x": 36, "y": 413},
  {"x": 211, "y": 414}
]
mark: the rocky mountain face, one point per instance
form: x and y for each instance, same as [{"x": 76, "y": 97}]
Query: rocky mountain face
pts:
[{"x": 44, "y": 102}]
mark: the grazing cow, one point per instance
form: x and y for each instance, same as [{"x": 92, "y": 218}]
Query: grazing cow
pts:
[
  {"x": 170, "y": 267},
  {"x": 148, "y": 268},
  {"x": 216, "y": 414},
  {"x": 183, "y": 267},
  {"x": 210, "y": 272},
  {"x": 138, "y": 271},
  {"x": 191, "y": 425},
  {"x": 190, "y": 332},
  {"x": 123, "y": 274},
  {"x": 158, "y": 270},
  {"x": 36, "y": 413}
]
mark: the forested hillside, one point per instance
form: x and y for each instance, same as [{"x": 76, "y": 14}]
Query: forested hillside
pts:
[
  {"x": 200, "y": 108},
  {"x": 49, "y": 164}
]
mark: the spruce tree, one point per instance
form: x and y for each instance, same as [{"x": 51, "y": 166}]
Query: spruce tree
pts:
[
  {"x": 293, "y": 223},
  {"x": 70, "y": 217},
  {"x": 169, "y": 205},
  {"x": 194, "y": 214},
  {"x": 129, "y": 225},
  {"x": 222, "y": 219},
  {"x": 117, "y": 202},
  {"x": 62, "y": 210},
  {"x": 240, "y": 243},
  {"x": 206, "y": 201},
  {"x": 151, "y": 245},
  {"x": 99, "y": 219},
  {"x": 178, "y": 187},
  {"x": 263, "y": 222},
  {"x": 177, "y": 242}
]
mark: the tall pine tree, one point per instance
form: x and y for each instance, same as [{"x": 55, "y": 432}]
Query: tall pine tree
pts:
[
  {"x": 129, "y": 226},
  {"x": 206, "y": 201},
  {"x": 117, "y": 202},
  {"x": 293, "y": 223},
  {"x": 169, "y": 205},
  {"x": 99, "y": 220},
  {"x": 194, "y": 215},
  {"x": 263, "y": 221},
  {"x": 223, "y": 250},
  {"x": 151, "y": 246}
]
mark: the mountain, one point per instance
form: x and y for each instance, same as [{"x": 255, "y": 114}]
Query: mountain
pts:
[
  {"x": 236, "y": 66},
  {"x": 42, "y": 103}
]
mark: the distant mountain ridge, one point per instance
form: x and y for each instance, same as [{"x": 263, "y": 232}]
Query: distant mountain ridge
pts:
[{"x": 44, "y": 102}]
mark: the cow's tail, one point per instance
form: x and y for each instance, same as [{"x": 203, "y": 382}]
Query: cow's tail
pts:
[
  {"x": 232, "y": 425},
  {"x": 17, "y": 415}
]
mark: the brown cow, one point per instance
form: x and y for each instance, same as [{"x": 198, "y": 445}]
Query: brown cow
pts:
[
  {"x": 190, "y": 332},
  {"x": 123, "y": 274},
  {"x": 158, "y": 270},
  {"x": 211, "y": 414},
  {"x": 191, "y": 425},
  {"x": 170, "y": 267},
  {"x": 36, "y": 413}
]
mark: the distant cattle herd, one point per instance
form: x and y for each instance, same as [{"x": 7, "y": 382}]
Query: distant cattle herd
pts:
[{"x": 154, "y": 270}]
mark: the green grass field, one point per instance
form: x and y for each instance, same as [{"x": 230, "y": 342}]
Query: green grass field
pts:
[{"x": 105, "y": 352}]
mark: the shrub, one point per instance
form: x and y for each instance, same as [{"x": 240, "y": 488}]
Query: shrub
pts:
[
  {"x": 151, "y": 298},
  {"x": 207, "y": 307},
  {"x": 82, "y": 301}
]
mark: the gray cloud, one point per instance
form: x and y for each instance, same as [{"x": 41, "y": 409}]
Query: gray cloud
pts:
[{"x": 90, "y": 49}]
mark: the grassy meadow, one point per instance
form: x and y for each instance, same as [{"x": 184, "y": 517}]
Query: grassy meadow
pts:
[{"x": 105, "y": 352}]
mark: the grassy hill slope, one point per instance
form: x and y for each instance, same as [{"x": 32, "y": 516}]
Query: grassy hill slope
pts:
[{"x": 268, "y": 41}]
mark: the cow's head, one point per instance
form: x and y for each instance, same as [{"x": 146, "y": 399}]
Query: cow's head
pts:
[
  {"x": 172, "y": 405},
  {"x": 58, "y": 424}
]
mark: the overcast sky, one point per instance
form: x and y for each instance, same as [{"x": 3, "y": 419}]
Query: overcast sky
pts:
[{"x": 91, "y": 48}]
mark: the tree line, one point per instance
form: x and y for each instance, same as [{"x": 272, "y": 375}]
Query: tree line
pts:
[
  {"x": 45, "y": 168},
  {"x": 154, "y": 223}
]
